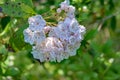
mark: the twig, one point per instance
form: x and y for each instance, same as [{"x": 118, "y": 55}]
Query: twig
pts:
[{"x": 105, "y": 19}]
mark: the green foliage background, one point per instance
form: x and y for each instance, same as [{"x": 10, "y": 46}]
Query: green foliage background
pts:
[{"x": 98, "y": 58}]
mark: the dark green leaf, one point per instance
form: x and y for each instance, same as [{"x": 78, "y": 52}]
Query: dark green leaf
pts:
[
  {"x": 12, "y": 71},
  {"x": 113, "y": 23},
  {"x": 90, "y": 34},
  {"x": 8, "y": 28},
  {"x": 4, "y": 21}
]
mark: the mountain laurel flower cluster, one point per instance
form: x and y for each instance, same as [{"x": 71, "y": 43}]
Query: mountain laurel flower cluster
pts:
[{"x": 55, "y": 43}]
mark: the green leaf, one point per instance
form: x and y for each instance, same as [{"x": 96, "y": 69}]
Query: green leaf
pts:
[
  {"x": 5, "y": 21},
  {"x": 1, "y": 1},
  {"x": 107, "y": 47},
  {"x": 90, "y": 34},
  {"x": 27, "y": 2},
  {"x": 3, "y": 52},
  {"x": 87, "y": 60},
  {"x": 111, "y": 5},
  {"x": 27, "y": 9},
  {"x": 102, "y": 2},
  {"x": 3, "y": 49},
  {"x": 12, "y": 71},
  {"x": 17, "y": 40},
  {"x": 12, "y": 9},
  {"x": 8, "y": 27},
  {"x": 18, "y": 8},
  {"x": 1, "y": 70},
  {"x": 113, "y": 23}
]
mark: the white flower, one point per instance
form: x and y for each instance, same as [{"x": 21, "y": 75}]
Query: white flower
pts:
[
  {"x": 74, "y": 25},
  {"x": 71, "y": 9},
  {"x": 82, "y": 29},
  {"x": 49, "y": 50},
  {"x": 67, "y": 21},
  {"x": 33, "y": 37},
  {"x": 64, "y": 5},
  {"x": 60, "y": 32},
  {"x": 72, "y": 40},
  {"x": 53, "y": 32},
  {"x": 39, "y": 36},
  {"x": 36, "y": 22},
  {"x": 28, "y": 36},
  {"x": 55, "y": 43}
]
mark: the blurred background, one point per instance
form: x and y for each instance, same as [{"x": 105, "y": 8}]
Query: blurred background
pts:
[{"x": 98, "y": 57}]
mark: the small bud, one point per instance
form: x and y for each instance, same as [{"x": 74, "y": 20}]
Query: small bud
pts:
[{"x": 58, "y": 10}]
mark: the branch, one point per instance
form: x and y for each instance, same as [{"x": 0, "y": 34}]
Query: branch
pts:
[{"x": 106, "y": 18}]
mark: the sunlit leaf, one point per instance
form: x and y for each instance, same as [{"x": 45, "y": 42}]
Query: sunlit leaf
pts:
[
  {"x": 15, "y": 8},
  {"x": 3, "y": 52}
]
